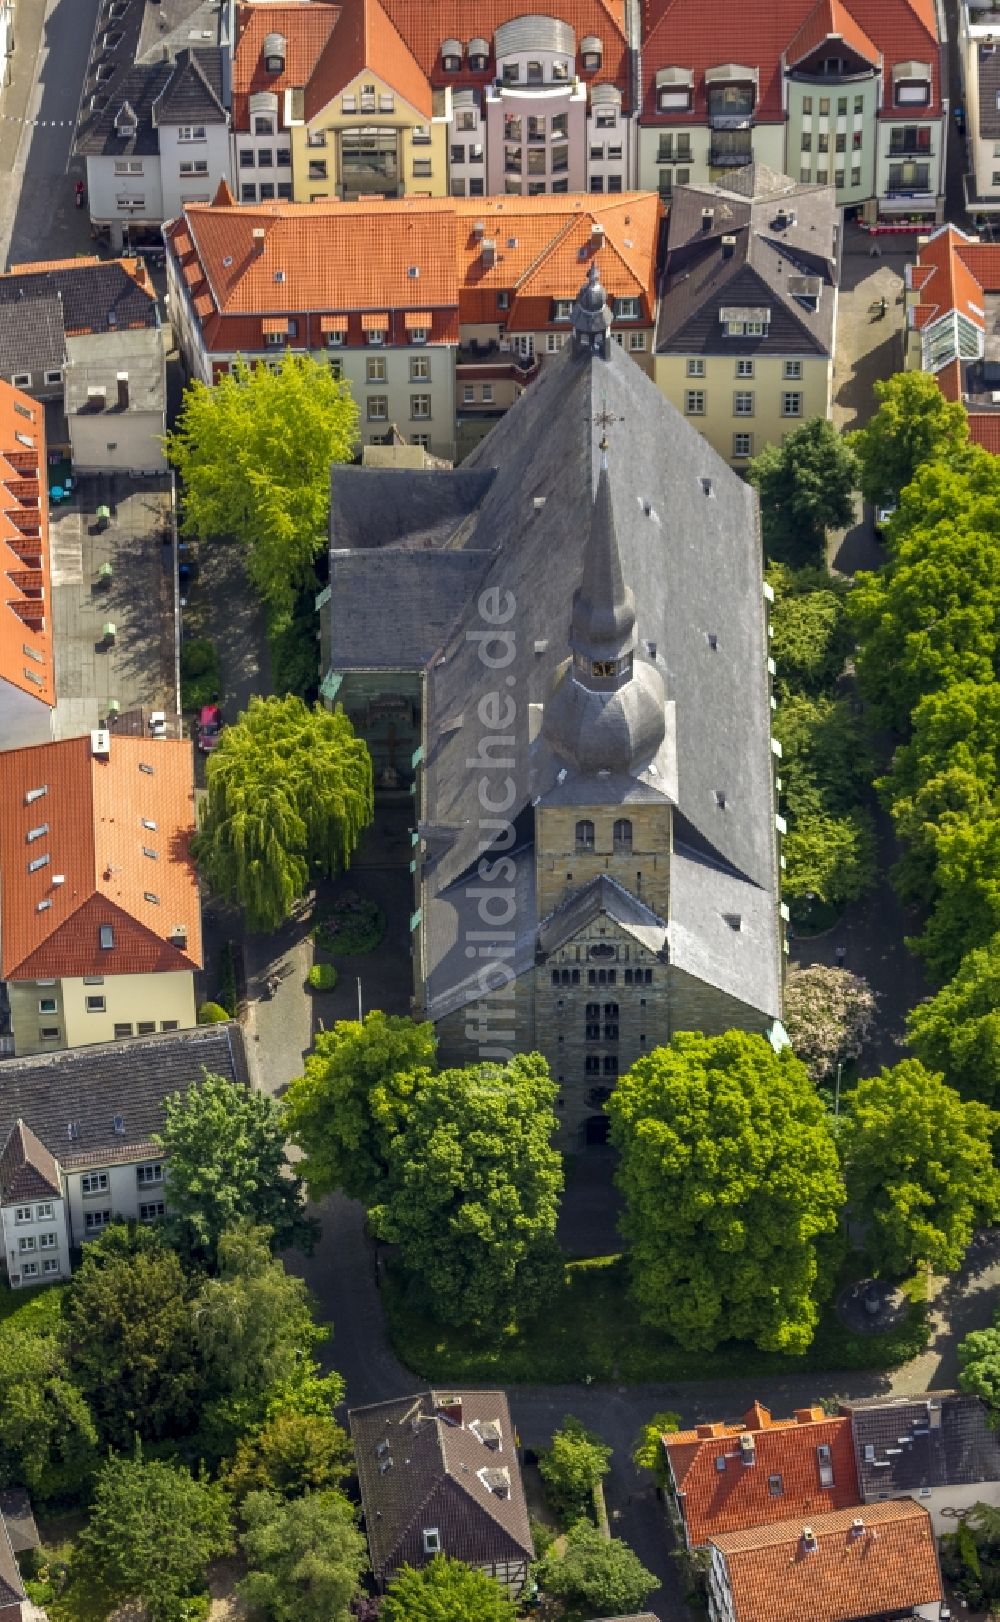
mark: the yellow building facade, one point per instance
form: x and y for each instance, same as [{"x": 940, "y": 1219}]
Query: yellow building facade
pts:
[
  {"x": 370, "y": 141},
  {"x": 742, "y": 404}
]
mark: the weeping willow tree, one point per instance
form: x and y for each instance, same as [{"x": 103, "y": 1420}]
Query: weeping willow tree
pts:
[{"x": 289, "y": 794}]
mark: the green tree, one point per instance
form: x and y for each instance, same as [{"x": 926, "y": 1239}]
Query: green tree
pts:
[
  {"x": 305, "y": 1557},
  {"x": 356, "y": 1089},
  {"x": 446, "y": 1591},
  {"x": 48, "y": 1439},
  {"x": 648, "y": 1452},
  {"x": 806, "y": 487},
  {"x": 572, "y": 1467},
  {"x": 830, "y": 847},
  {"x": 473, "y": 1189},
  {"x": 731, "y": 1178},
  {"x": 914, "y": 424},
  {"x": 829, "y": 1015},
  {"x": 596, "y": 1576},
  {"x": 292, "y": 1454},
  {"x": 958, "y": 1031},
  {"x": 128, "y": 1324},
  {"x": 966, "y": 910},
  {"x": 289, "y": 794},
  {"x": 812, "y": 636},
  {"x": 254, "y": 454},
  {"x": 979, "y": 1367},
  {"x": 226, "y": 1162},
  {"x": 152, "y": 1531},
  {"x": 919, "y": 1167}
]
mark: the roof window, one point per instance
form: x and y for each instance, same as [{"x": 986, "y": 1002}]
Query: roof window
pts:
[
  {"x": 36, "y": 833},
  {"x": 153, "y": 855},
  {"x": 107, "y": 936},
  {"x": 147, "y": 895},
  {"x": 37, "y": 862},
  {"x": 35, "y": 793},
  {"x": 148, "y": 822},
  {"x": 145, "y": 767}
]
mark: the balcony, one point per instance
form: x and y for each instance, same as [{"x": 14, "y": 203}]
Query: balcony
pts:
[
  {"x": 726, "y": 156},
  {"x": 730, "y": 111}
]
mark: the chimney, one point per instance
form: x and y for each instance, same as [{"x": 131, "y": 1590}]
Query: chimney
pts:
[
  {"x": 479, "y": 230},
  {"x": 489, "y": 252},
  {"x": 857, "y": 1526},
  {"x": 748, "y": 1448},
  {"x": 449, "y": 1408},
  {"x": 596, "y": 236},
  {"x": 707, "y": 216},
  {"x": 809, "y": 1540},
  {"x": 808, "y": 1416},
  {"x": 258, "y": 235},
  {"x": 123, "y": 391},
  {"x": 728, "y": 247}
]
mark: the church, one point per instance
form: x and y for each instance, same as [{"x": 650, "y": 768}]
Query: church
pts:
[{"x": 560, "y": 650}]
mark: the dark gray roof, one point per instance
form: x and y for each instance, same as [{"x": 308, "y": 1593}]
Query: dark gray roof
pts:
[
  {"x": 989, "y": 86},
  {"x": 15, "y": 1507},
  {"x": 88, "y": 1087},
  {"x": 148, "y": 88},
  {"x": 766, "y": 266},
  {"x": 416, "y": 507},
  {"x": 420, "y": 594},
  {"x": 193, "y": 93},
  {"x": 602, "y": 895},
  {"x": 938, "y": 1439},
  {"x": 428, "y": 1461},
  {"x": 39, "y": 307},
  {"x": 11, "y": 1586}
]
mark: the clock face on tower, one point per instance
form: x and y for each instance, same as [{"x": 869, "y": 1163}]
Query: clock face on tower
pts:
[{"x": 603, "y": 667}]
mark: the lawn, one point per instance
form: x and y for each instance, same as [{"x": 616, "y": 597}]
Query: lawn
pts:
[
  {"x": 593, "y": 1333},
  {"x": 38, "y": 1307}
]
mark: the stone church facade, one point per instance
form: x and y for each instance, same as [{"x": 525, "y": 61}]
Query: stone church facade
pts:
[{"x": 579, "y": 610}]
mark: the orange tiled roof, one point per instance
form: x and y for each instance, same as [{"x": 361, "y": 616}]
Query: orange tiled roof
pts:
[
  {"x": 91, "y": 818},
  {"x": 743, "y": 1491},
  {"x": 885, "y": 1567},
  {"x": 831, "y": 19},
  {"x": 26, "y": 656},
  {"x": 305, "y": 25},
  {"x": 425, "y": 28},
  {"x": 365, "y": 37}
]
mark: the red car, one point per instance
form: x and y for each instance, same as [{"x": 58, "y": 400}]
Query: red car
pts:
[{"x": 209, "y": 728}]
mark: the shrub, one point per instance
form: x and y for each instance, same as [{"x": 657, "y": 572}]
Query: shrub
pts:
[
  {"x": 354, "y": 925},
  {"x": 322, "y": 977},
  {"x": 211, "y": 1014},
  {"x": 201, "y": 675},
  {"x": 227, "y": 979}
]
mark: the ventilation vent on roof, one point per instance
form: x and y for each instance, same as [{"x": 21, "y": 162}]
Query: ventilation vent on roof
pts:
[
  {"x": 58, "y": 878},
  {"x": 734, "y": 920},
  {"x": 707, "y": 487},
  {"x": 651, "y": 649},
  {"x": 413, "y": 271},
  {"x": 542, "y": 645},
  {"x": 712, "y": 640},
  {"x": 720, "y": 798},
  {"x": 538, "y": 502},
  {"x": 279, "y": 275},
  {"x": 43, "y": 905}
]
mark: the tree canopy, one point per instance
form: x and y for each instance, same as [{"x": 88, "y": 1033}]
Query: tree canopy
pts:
[
  {"x": 446, "y": 1590},
  {"x": 979, "y": 1365},
  {"x": 226, "y": 1162},
  {"x": 648, "y": 1452},
  {"x": 829, "y": 849},
  {"x": 291, "y": 1454},
  {"x": 572, "y": 1467},
  {"x": 829, "y": 1014},
  {"x": 811, "y": 637},
  {"x": 731, "y": 1178},
  {"x": 289, "y": 794},
  {"x": 919, "y": 1167},
  {"x": 48, "y": 1438},
  {"x": 254, "y": 454},
  {"x": 305, "y": 1557},
  {"x": 345, "y": 1109},
  {"x": 596, "y": 1576},
  {"x": 914, "y": 424},
  {"x": 152, "y": 1531},
  {"x": 958, "y": 1030},
  {"x": 806, "y": 487}
]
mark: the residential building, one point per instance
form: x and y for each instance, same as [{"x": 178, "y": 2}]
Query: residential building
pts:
[
  {"x": 276, "y": 48},
  {"x": 848, "y": 93},
  {"x": 27, "y": 667},
  {"x": 724, "y": 1478},
  {"x": 84, "y": 337},
  {"x": 636, "y": 797},
  {"x": 154, "y": 121},
  {"x": 847, "y": 1566},
  {"x": 747, "y": 321},
  {"x": 952, "y": 295},
  {"x": 100, "y": 918},
  {"x": 78, "y": 1140},
  {"x": 938, "y": 1448},
  {"x": 13, "y": 1599},
  {"x": 439, "y": 1474},
  {"x": 980, "y": 64},
  {"x": 374, "y": 288}
]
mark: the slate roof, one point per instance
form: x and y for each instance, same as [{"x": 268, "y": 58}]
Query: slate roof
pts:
[
  {"x": 32, "y": 338},
  {"x": 771, "y": 1476},
  {"x": 420, "y": 594},
  {"x": 602, "y": 895},
  {"x": 159, "y": 92},
  {"x": 27, "y": 1169},
  {"x": 435, "y": 1478},
  {"x": 89, "y": 1086},
  {"x": 15, "y": 1507},
  {"x": 767, "y": 266},
  {"x": 884, "y": 1568},
  {"x": 86, "y": 292},
  {"x": 11, "y": 1586},
  {"x": 93, "y": 826},
  {"x": 939, "y": 1439},
  {"x": 988, "y": 74},
  {"x": 26, "y": 654}
]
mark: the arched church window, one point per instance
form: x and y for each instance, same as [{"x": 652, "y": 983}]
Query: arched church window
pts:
[
  {"x": 622, "y": 837},
  {"x": 584, "y": 835}
]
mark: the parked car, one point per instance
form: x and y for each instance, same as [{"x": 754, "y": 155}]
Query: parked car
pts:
[{"x": 209, "y": 728}]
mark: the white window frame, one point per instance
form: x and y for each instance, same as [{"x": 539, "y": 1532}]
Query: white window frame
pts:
[
  {"x": 93, "y": 1183},
  {"x": 791, "y": 371},
  {"x": 192, "y": 132},
  {"x": 791, "y": 403},
  {"x": 694, "y": 402}
]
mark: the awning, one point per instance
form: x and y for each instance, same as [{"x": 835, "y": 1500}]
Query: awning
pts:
[
  {"x": 275, "y": 323},
  {"x": 417, "y": 318},
  {"x": 730, "y": 72},
  {"x": 911, "y": 70},
  {"x": 678, "y": 76},
  {"x": 333, "y": 323},
  {"x": 374, "y": 323}
]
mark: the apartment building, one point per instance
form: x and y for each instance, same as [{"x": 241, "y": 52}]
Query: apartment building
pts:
[
  {"x": 100, "y": 917},
  {"x": 747, "y": 320},
  {"x": 952, "y": 295},
  {"x": 78, "y": 1142},
  {"x": 275, "y": 51},
  {"x": 979, "y": 57},
  {"x": 27, "y": 665}
]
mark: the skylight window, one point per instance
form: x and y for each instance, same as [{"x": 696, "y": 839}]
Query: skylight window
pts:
[
  {"x": 37, "y": 862},
  {"x": 36, "y": 793},
  {"x": 148, "y": 822},
  {"x": 148, "y": 895},
  {"x": 152, "y": 854},
  {"x": 145, "y": 767},
  {"x": 36, "y": 833}
]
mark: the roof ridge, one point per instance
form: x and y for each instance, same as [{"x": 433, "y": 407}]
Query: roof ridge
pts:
[{"x": 549, "y": 247}]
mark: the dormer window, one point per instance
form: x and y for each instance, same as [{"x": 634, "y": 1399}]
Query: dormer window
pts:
[
  {"x": 627, "y": 309},
  {"x": 432, "y": 1540},
  {"x": 479, "y": 55},
  {"x": 274, "y": 53},
  {"x": 591, "y": 53},
  {"x": 451, "y": 56},
  {"x": 535, "y": 74},
  {"x": 911, "y": 84},
  {"x": 674, "y": 89},
  {"x": 125, "y": 120},
  {"x": 511, "y": 73}
]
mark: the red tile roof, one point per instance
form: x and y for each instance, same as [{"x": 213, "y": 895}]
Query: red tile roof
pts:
[
  {"x": 26, "y": 656},
  {"x": 305, "y": 26},
  {"x": 681, "y": 33},
  {"x": 742, "y": 1490},
  {"x": 831, "y": 20},
  {"x": 365, "y": 37},
  {"x": 884, "y": 1567},
  {"x": 91, "y": 823}
]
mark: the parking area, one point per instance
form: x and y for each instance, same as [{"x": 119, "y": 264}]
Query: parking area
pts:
[{"x": 112, "y": 601}]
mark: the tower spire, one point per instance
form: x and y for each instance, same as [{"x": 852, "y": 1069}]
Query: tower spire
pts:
[
  {"x": 603, "y": 623},
  {"x": 591, "y": 317}
]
